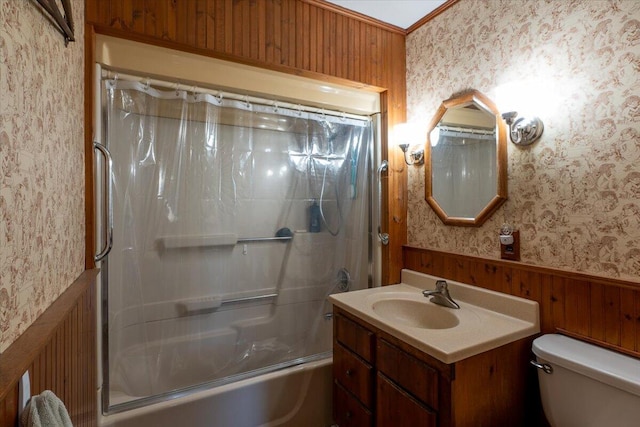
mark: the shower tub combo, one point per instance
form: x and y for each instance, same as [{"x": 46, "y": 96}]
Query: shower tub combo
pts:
[{"x": 231, "y": 221}]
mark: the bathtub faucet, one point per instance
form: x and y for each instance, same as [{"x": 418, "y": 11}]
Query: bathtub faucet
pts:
[{"x": 441, "y": 295}]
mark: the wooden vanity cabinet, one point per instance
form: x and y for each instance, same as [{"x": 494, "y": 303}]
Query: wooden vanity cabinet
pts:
[
  {"x": 406, "y": 388},
  {"x": 381, "y": 381},
  {"x": 353, "y": 373}
]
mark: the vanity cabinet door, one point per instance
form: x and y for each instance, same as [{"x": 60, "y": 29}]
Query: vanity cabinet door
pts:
[
  {"x": 355, "y": 337},
  {"x": 347, "y": 411},
  {"x": 353, "y": 374},
  {"x": 415, "y": 376},
  {"x": 395, "y": 407}
]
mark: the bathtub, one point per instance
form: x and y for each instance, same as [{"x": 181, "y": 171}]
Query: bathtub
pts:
[
  {"x": 270, "y": 387},
  {"x": 292, "y": 397}
]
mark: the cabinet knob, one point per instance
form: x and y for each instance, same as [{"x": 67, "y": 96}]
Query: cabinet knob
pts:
[
  {"x": 349, "y": 372},
  {"x": 349, "y": 414}
]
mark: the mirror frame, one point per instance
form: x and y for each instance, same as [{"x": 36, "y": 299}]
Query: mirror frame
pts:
[{"x": 501, "y": 151}]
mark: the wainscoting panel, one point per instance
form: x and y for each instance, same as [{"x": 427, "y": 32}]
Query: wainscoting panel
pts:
[
  {"x": 597, "y": 309},
  {"x": 59, "y": 349}
]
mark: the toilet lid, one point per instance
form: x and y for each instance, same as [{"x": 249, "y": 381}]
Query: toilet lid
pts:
[{"x": 606, "y": 366}]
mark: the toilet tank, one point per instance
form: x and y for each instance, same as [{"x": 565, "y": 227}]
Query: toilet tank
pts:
[{"x": 590, "y": 386}]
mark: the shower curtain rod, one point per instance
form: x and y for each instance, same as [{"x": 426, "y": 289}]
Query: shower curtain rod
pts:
[
  {"x": 113, "y": 75},
  {"x": 456, "y": 129}
]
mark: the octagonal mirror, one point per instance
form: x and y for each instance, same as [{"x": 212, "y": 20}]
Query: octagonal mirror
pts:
[{"x": 466, "y": 160}]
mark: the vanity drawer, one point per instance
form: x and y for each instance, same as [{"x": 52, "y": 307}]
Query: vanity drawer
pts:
[
  {"x": 354, "y": 374},
  {"x": 347, "y": 411},
  {"x": 416, "y": 377},
  {"x": 355, "y": 337},
  {"x": 395, "y": 407}
]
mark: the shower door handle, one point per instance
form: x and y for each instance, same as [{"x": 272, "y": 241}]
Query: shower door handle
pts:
[
  {"x": 384, "y": 237},
  {"x": 109, "y": 205}
]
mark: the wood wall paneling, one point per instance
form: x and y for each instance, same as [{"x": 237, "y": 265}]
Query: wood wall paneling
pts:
[
  {"x": 310, "y": 38},
  {"x": 59, "y": 350},
  {"x": 596, "y": 309},
  {"x": 306, "y": 35}
]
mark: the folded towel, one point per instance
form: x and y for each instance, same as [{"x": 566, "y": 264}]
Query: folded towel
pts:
[{"x": 45, "y": 410}]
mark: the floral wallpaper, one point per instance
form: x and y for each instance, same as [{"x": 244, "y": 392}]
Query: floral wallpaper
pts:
[
  {"x": 41, "y": 163},
  {"x": 575, "y": 194}
]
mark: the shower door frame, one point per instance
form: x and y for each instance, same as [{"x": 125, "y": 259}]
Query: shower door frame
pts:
[{"x": 373, "y": 255}]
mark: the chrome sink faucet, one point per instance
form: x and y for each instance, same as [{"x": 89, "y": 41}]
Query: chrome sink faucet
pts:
[{"x": 441, "y": 295}]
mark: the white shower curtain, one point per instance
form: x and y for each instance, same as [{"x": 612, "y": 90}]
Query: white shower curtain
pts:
[
  {"x": 215, "y": 271},
  {"x": 463, "y": 171}
]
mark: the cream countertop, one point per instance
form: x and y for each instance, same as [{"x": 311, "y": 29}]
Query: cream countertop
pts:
[{"x": 487, "y": 319}]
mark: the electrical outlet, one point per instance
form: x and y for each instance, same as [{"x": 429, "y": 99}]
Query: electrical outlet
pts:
[{"x": 511, "y": 251}]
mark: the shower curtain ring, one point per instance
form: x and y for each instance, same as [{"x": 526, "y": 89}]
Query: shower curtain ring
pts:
[
  {"x": 111, "y": 84},
  {"x": 147, "y": 84}
]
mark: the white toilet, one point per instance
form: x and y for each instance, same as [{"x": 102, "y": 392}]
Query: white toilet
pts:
[{"x": 589, "y": 386}]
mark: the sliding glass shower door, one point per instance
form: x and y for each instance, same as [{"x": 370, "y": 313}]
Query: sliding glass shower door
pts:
[{"x": 233, "y": 221}]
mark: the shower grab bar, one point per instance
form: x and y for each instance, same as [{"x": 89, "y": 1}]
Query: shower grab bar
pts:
[
  {"x": 263, "y": 239},
  {"x": 109, "y": 208},
  {"x": 198, "y": 305},
  {"x": 228, "y": 239},
  {"x": 247, "y": 299},
  {"x": 384, "y": 237},
  {"x": 195, "y": 306},
  {"x": 195, "y": 241}
]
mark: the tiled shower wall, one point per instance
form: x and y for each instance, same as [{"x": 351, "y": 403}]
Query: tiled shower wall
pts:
[
  {"x": 575, "y": 194},
  {"x": 41, "y": 163}
]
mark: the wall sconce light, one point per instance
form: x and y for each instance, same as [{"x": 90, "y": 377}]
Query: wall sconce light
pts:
[
  {"x": 523, "y": 131},
  {"x": 403, "y": 134},
  {"x": 416, "y": 157}
]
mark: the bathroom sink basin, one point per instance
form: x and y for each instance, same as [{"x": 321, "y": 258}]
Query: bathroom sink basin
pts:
[
  {"x": 415, "y": 314},
  {"x": 485, "y": 320}
]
